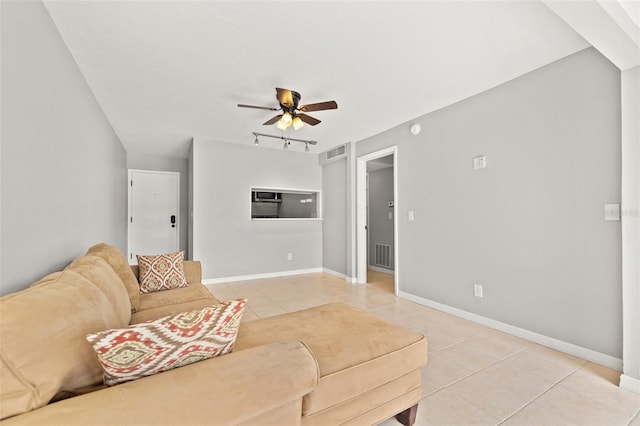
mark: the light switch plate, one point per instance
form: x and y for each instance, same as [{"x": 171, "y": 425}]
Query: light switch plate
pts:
[
  {"x": 612, "y": 212},
  {"x": 479, "y": 162},
  {"x": 477, "y": 290}
]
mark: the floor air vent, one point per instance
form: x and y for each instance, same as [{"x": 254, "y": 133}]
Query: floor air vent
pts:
[
  {"x": 383, "y": 255},
  {"x": 336, "y": 152}
]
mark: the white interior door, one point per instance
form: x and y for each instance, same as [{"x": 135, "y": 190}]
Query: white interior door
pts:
[{"x": 154, "y": 204}]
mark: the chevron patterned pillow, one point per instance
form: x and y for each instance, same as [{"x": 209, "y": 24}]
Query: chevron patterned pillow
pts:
[
  {"x": 152, "y": 347},
  {"x": 161, "y": 272}
]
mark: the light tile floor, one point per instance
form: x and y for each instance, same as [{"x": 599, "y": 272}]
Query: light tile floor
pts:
[{"x": 475, "y": 375}]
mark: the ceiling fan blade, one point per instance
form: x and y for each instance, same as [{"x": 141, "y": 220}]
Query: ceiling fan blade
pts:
[
  {"x": 284, "y": 96},
  {"x": 308, "y": 119},
  {"x": 319, "y": 106},
  {"x": 272, "y": 121},
  {"x": 258, "y": 107}
]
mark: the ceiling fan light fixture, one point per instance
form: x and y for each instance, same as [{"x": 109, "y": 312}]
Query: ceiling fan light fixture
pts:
[
  {"x": 291, "y": 111},
  {"x": 297, "y": 123},
  {"x": 286, "y": 144},
  {"x": 285, "y": 121},
  {"x": 256, "y": 142},
  {"x": 306, "y": 147}
]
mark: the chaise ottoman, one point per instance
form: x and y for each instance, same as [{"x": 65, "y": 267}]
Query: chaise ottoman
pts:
[{"x": 370, "y": 369}]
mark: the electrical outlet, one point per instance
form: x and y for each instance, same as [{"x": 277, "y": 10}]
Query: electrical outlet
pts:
[
  {"x": 289, "y": 256},
  {"x": 477, "y": 290}
]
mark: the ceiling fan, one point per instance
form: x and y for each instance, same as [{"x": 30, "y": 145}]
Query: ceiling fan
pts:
[{"x": 292, "y": 114}]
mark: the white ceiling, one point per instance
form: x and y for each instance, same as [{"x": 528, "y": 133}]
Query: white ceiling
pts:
[{"x": 165, "y": 72}]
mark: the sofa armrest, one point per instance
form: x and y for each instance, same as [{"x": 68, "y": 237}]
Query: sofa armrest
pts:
[
  {"x": 225, "y": 390},
  {"x": 193, "y": 271}
]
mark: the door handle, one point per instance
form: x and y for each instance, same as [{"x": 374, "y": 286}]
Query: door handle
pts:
[{"x": 173, "y": 220}]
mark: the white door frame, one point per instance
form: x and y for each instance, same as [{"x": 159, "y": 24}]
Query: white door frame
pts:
[
  {"x": 130, "y": 173},
  {"x": 361, "y": 214}
]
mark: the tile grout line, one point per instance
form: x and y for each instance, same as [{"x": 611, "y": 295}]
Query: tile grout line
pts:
[
  {"x": 634, "y": 417},
  {"x": 610, "y": 407},
  {"x": 556, "y": 383},
  {"x": 541, "y": 394},
  {"x": 485, "y": 368},
  {"x": 458, "y": 342},
  {"x": 476, "y": 372}
]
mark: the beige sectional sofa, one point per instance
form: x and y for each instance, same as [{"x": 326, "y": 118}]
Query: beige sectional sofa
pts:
[{"x": 328, "y": 365}]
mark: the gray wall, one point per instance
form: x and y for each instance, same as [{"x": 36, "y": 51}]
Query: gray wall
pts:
[
  {"x": 529, "y": 227},
  {"x": 63, "y": 168},
  {"x": 225, "y": 239},
  {"x": 167, "y": 164},
  {"x": 334, "y": 223},
  {"x": 380, "y": 225}
]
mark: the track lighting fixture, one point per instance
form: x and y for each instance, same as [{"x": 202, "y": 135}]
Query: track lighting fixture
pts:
[{"x": 287, "y": 141}]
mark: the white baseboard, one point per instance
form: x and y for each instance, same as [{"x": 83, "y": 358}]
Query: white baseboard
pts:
[
  {"x": 630, "y": 383},
  {"x": 261, "y": 276},
  {"x": 569, "y": 348},
  {"x": 383, "y": 270},
  {"x": 351, "y": 280}
]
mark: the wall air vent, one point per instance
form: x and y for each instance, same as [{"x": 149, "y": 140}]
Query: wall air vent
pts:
[
  {"x": 336, "y": 152},
  {"x": 383, "y": 255}
]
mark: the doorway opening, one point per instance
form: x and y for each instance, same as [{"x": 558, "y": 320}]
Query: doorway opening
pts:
[{"x": 376, "y": 218}]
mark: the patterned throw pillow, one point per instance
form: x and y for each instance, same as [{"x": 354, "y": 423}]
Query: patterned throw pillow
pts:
[
  {"x": 152, "y": 347},
  {"x": 161, "y": 272}
]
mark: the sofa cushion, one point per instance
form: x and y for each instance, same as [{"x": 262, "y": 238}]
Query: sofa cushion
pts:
[
  {"x": 98, "y": 271},
  {"x": 149, "y": 348},
  {"x": 44, "y": 352},
  {"x": 161, "y": 272},
  {"x": 356, "y": 351},
  {"x": 175, "y": 297},
  {"x": 164, "y": 303},
  {"x": 118, "y": 262}
]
